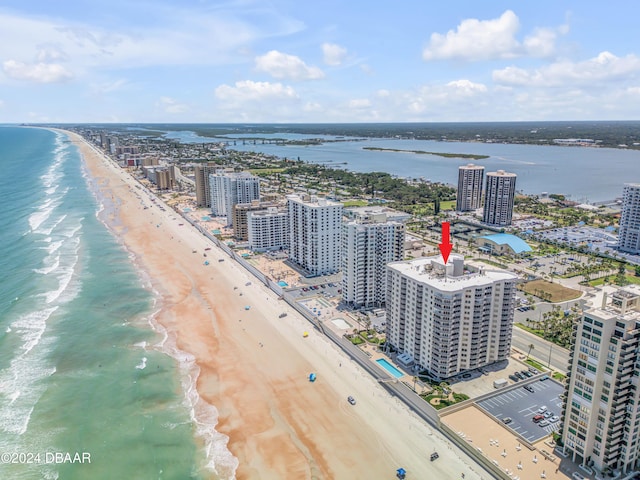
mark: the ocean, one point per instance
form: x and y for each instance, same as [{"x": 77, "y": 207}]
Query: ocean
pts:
[{"x": 84, "y": 370}]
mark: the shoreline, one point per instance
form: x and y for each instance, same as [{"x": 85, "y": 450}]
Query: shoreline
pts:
[{"x": 279, "y": 425}]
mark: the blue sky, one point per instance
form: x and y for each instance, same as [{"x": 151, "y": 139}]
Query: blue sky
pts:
[{"x": 329, "y": 61}]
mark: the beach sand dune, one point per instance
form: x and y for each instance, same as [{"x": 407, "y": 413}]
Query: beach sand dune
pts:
[{"x": 254, "y": 366}]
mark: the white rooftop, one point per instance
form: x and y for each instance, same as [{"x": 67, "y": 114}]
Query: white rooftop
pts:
[{"x": 431, "y": 271}]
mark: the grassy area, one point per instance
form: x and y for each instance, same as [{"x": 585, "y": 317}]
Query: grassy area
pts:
[
  {"x": 535, "y": 364},
  {"x": 355, "y": 203},
  {"x": 491, "y": 262},
  {"x": 444, "y": 402},
  {"x": 558, "y": 376},
  {"x": 552, "y": 292},
  {"x": 535, "y": 331},
  {"x": 356, "y": 340},
  {"x": 447, "y": 205},
  {"x": 630, "y": 279}
]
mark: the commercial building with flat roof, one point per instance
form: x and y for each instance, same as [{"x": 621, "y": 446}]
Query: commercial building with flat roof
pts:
[
  {"x": 602, "y": 407},
  {"x": 629, "y": 234},
  {"x": 239, "y": 216},
  {"x": 451, "y": 317},
  {"x": 469, "y": 195},
  {"x": 499, "y": 196}
]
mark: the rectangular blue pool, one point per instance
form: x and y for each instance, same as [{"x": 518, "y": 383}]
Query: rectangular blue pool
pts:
[
  {"x": 282, "y": 283},
  {"x": 389, "y": 368}
]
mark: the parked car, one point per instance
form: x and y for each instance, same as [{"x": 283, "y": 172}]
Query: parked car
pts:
[
  {"x": 351, "y": 400},
  {"x": 434, "y": 456},
  {"x": 537, "y": 418},
  {"x": 533, "y": 370},
  {"x": 542, "y": 409},
  {"x": 543, "y": 423},
  {"x": 519, "y": 375},
  {"x": 527, "y": 373},
  {"x": 546, "y": 377},
  {"x": 554, "y": 419},
  {"x": 514, "y": 378},
  {"x": 528, "y": 388},
  {"x": 507, "y": 420}
]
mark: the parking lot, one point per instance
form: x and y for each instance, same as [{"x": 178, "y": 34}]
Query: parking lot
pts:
[{"x": 521, "y": 405}]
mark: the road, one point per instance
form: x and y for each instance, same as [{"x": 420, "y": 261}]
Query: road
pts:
[{"x": 541, "y": 349}]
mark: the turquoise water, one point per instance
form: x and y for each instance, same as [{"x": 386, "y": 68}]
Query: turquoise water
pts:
[
  {"x": 389, "y": 368},
  {"x": 282, "y": 283},
  {"x": 81, "y": 368}
]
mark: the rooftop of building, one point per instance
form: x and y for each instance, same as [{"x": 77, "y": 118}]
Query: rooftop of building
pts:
[
  {"x": 313, "y": 201},
  {"x": 376, "y": 213},
  {"x": 501, "y": 173},
  {"x": 515, "y": 243},
  {"x": 456, "y": 275},
  {"x": 471, "y": 166},
  {"x": 619, "y": 303}
]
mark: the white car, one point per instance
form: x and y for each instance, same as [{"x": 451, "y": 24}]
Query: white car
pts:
[
  {"x": 554, "y": 419},
  {"x": 351, "y": 400},
  {"x": 542, "y": 409}
]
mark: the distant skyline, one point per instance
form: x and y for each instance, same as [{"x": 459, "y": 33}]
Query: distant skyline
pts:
[{"x": 289, "y": 61}]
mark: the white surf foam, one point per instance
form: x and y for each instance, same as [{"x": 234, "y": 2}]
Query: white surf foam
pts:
[{"x": 143, "y": 364}]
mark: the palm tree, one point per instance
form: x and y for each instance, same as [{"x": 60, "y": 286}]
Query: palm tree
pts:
[{"x": 531, "y": 347}]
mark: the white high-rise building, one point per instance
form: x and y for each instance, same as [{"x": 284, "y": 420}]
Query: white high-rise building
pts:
[
  {"x": 629, "y": 235},
  {"x": 369, "y": 242},
  {"x": 229, "y": 189},
  {"x": 268, "y": 229},
  {"x": 315, "y": 226},
  {"x": 602, "y": 410},
  {"x": 469, "y": 195},
  {"x": 449, "y": 318},
  {"x": 203, "y": 190},
  {"x": 499, "y": 196}
]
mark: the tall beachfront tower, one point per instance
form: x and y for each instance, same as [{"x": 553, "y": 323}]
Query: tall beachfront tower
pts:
[
  {"x": 203, "y": 192},
  {"x": 499, "y": 196},
  {"x": 231, "y": 188},
  {"x": 629, "y": 235},
  {"x": 601, "y": 414},
  {"x": 469, "y": 187},
  {"x": 315, "y": 226},
  {"x": 449, "y": 318},
  {"x": 369, "y": 242}
]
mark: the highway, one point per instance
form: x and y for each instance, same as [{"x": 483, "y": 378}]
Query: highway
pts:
[{"x": 541, "y": 349}]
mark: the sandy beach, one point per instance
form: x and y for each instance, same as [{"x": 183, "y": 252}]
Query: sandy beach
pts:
[{"x": 254, "y": 366}]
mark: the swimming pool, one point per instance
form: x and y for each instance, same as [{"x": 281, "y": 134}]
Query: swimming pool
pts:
[
  {"x": 282, "y": 283},
  {"x": 389, "y": 368}
]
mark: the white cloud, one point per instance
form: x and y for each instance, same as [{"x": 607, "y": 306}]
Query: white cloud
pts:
[
  {"x": 50, "y": 53},
  {"x": 249, "y": 91},
  {"x": 282, "y": 65},
  {"x": 604, "y": 67},
  {"x": 36, "y": 72},
  {"x": 359, "y": 103},
  {"x": 333, "y": 54},
  {"x": 476, "y": 39},
  {"x": 171, "y": 105},
  {"x": 490, "y": 39},
  {"x": 466, "y": 87}
]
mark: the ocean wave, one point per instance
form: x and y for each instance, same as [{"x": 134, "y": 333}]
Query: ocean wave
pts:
[
  {"x": 203, "y": 415},
  {"x": 50, "y": 229},
  {"x": 143, "y": 364},
  {"x": 21, "y": 383},
  {"x": 50, "y": 266}
]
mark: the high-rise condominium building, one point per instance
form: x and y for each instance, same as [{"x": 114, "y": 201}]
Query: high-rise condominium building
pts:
[
  {"x": 203, "y": 191},
  {"x": 229, "y": 189},
  {"x": 369, "y": 242},
  {"x": 469, "y": 195},
  {"x": 315, "y": 226},
  {"x": 629, "y": 235},
  {"x": 602, "y": 412},
  {"x": 268, "y": 229},
  {"x": 499, "y": 196},
  {"x": 239, "y": 215},
  {"x": 449, "y": 318}
]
